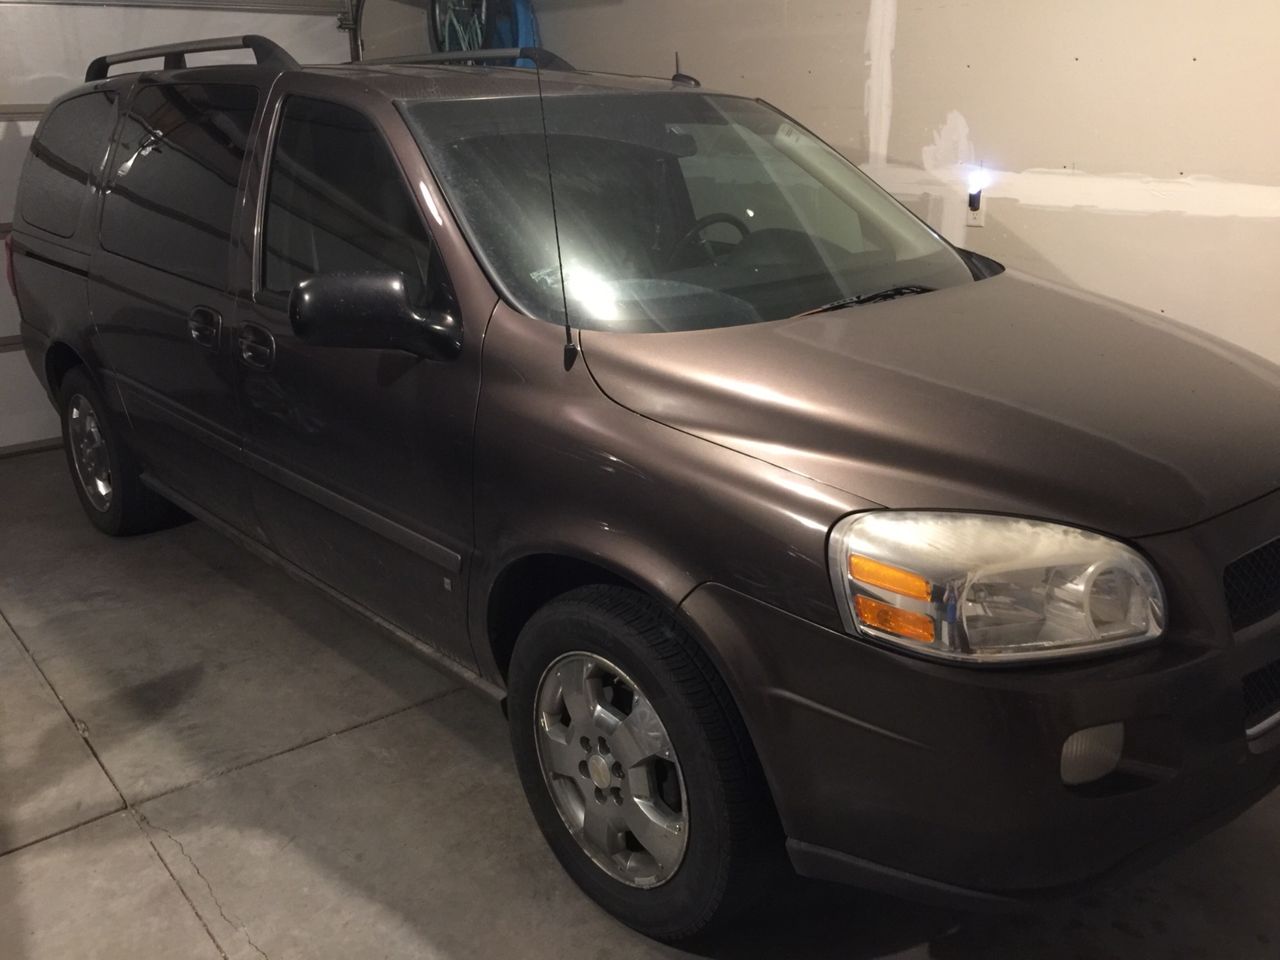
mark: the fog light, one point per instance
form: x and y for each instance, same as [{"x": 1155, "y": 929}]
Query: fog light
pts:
[{"x": 1092, "y": 753}]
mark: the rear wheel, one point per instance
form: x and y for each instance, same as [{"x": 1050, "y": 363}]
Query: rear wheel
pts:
[
  {"x": 102, "y": 467},
  {"x": 636, "y": 764}
]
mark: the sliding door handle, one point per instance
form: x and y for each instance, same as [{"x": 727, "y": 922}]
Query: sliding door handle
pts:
[
  {"x": 256, "y": 347},
  {"x": 205, "y": 327}
]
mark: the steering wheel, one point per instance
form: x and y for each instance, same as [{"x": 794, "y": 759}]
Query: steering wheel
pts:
[{"x": 695, "y": 233}]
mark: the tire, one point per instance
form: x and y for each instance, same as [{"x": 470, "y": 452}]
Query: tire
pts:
[
  {"x": 733, "y": 844},
  {"x": 124, "y": 506}
]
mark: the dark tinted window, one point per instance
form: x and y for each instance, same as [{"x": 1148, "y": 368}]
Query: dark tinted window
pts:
[
  {"x": 338, "y": 203},
  {"x": 66, "y": 156},
  {"x": 173, "y": 192}
]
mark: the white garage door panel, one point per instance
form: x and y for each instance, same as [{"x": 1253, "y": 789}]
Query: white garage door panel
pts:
[
  {"x": 15, "y": 137},
  {"x": 45, "y": 48},
  {"x": 25, "y": 412},
  {"x": 8, "y": 314}
]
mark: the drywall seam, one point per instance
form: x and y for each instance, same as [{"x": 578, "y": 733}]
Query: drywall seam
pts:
[
  {"x": 1121, "y": 193},
  {"x": 1197, "y": 196},
  {"x": 951, "y": 168},
  {"x": 882, "y": 25}
]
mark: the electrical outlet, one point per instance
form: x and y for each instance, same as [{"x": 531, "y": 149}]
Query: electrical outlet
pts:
[{"x": 977, "y": 218}]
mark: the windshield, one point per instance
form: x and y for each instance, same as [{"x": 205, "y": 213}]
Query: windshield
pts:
[{"x": 674, "y": 211}]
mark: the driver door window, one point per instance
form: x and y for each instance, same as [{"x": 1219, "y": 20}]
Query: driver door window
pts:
[
  {"x": 337, "y": 203},
  {"x": 361, "y": 455}
]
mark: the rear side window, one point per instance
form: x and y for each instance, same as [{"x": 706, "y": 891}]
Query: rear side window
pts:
[
  {"x": 338, "y": 203},
  {"x": 172, "y": 197},
  {"x": 66, "y": 156}
]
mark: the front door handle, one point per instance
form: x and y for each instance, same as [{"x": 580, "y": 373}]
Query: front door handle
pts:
[
  {"x": 256, "y": 347},
  {"x": 205, "y": 327}
]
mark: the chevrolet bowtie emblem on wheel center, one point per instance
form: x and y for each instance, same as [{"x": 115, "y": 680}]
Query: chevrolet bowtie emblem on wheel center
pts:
[{"x": 598, "y": 768}]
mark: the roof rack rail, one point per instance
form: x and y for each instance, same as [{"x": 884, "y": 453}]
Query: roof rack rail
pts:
[
  {"x": 266, "y": 52},
  {"x": 545, "y": 59}
]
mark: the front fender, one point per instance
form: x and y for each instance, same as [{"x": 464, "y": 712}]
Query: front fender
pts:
[{"x": 562, "y": 469}]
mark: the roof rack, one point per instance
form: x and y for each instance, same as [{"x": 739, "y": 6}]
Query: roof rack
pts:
[
  {"x": 266, "y": 52},
  {"x": 545, "y": 59}
]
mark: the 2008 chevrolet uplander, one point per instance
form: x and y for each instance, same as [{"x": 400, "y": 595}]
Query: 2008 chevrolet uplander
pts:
[{"x": 781, "y": 524}]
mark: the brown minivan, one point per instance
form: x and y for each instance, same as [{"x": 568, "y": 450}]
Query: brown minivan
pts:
[{"x": 784, "y": 529}]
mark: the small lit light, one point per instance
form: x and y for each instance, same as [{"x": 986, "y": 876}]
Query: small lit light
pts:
[
  {"x": 877, "y": 574},
  {"x": 890, "y": 619},
  {"x": 979, "y": 179},
  {"x": 750, "y": 212}
]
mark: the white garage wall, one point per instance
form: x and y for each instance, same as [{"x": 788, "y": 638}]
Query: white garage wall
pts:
[
  {"x": 1132, "y": 147},
  {"x": 44, "y": 49}
]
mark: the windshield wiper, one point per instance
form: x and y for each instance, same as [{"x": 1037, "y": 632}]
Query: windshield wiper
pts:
[{"x": 892, "y": 293}]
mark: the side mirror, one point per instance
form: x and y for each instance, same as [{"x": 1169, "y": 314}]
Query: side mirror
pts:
[{"x": 370, "y": 310}]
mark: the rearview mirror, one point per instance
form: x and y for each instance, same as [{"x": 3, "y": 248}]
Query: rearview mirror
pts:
[{"x": 370, "y": 310}]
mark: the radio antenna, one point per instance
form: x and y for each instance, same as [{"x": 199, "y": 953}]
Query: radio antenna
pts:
[
  {"x": 684, "y": 78},
  {"x": 570, "y": 348}
]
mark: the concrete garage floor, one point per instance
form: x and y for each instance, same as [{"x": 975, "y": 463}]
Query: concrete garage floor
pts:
[{"x": 201, "y": 758}]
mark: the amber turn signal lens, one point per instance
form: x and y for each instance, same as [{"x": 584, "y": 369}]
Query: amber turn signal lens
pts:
[
  {"x": 877, "y": 574},
  {"x": 890, "y": 619}
]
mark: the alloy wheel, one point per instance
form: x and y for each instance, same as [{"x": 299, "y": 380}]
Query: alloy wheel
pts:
[
  {"x": 612, "y": 771},
  {"x": 89, "y": 452}
]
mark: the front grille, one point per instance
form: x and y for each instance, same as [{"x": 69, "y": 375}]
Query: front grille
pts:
[
  {"x": 1262, "y": 694},
  {"x": 1252, "y": 585}
]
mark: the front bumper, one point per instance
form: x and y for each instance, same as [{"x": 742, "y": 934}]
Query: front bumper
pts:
[{"x": 943, "y": 782}]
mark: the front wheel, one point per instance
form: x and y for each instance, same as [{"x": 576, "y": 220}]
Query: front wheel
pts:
[{"x": 636, "y": 765}]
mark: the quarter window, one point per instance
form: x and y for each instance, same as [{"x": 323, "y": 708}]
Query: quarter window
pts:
[
  {"x": 338, "y": 203},
  {"x": 66, "y": 156},
  {"x": 172, "y": 199}
]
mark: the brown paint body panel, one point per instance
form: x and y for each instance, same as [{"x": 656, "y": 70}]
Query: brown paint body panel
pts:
[
  {"x": 1009, "y": 395},
  {"x": 560, "y": 469},
  {"x": 912, "y": 775}
]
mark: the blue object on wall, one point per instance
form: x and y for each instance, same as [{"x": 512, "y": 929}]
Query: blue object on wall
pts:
[{"x": 511, "y": 23}]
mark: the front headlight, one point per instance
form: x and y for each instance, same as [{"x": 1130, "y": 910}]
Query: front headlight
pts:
[{"x": 987, "y": 588}]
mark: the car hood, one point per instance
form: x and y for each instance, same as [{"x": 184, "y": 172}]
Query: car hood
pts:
[{"x": 1009, "y": 394}]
